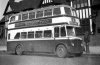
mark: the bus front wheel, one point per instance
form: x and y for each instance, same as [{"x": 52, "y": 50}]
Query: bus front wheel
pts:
[
  {"x": 61, "y": 51},
  {"x": 19, "y": 49}
]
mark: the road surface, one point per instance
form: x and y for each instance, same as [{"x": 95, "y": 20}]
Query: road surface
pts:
[{"x": 47, "y": 60}]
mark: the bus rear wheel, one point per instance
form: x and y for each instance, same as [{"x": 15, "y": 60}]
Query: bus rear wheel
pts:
[
  {"x": 19, "y": 49},
  {"x": 61, "y": 51}
]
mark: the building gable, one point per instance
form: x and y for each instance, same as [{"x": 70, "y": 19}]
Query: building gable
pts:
[
  {"x": 7, "y": 9},
  {"x": 14, "y": 6}
]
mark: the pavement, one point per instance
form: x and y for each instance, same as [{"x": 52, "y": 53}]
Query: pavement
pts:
[
  {"x": 3, "y": 48},
  {"x": 94, "y": 50}
]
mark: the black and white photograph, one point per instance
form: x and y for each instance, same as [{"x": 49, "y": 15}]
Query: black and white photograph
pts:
[{"x": 49, "y": 32}]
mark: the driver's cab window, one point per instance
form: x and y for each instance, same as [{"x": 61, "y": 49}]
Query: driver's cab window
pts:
[
  {"x": 74, "y": 12},
  {"x": 70, "y": 31}
]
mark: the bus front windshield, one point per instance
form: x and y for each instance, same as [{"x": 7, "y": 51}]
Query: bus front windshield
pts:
[
  {"x": 70, "y": 12},
  {"x": 74, "y": 12},
  {"x": 70, "y": 31}
]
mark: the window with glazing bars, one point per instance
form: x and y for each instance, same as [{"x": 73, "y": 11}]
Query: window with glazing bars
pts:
[
  {"x": 47, "y": 33},
  {"x": 56, "y": 32},
  {"x": 39, "y": 14},
  {"x": 31, "y": 34},
  {"x": 19, "y": 17},
  {"x": 38, "y": 34},
  {"x": 48, "y": 12},
  {"x": 23, "y": 34},
  {"x": 31, "y": 15},
  {"x": 56, "y": 11},
  {"x": 25, "y": 16}
]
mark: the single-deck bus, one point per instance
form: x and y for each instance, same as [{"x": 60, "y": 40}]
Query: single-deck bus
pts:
[{"x": 45, "y": 30}]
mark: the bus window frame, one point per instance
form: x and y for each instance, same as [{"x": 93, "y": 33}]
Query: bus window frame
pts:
[
  {"x": 53, "y": 11},
  {"x": 57, "y": 33},
  {"x": 70, "y": 11},
  {"x": 34, "y": 15},
  {"x": 39, "y": 14},
  {"x": 73, "y": 11},
  {"x": 49, "y": 34},
  {"x": 25, "y": 14},
  {"x": 31, "y": 34},
  {"x": 39, "y": 34},
  {"x": 61, "y": 31},
  {"x": 11, "y": 20},
  {"x": 22, "y": 37},
  {"x": 73, "y": 30},
  {"x": 19, "y": 35}
]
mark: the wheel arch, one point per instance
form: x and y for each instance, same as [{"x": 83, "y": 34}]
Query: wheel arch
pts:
[{"x": 66, "y": 46}]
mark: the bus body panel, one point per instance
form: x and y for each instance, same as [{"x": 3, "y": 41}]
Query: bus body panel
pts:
[{"x": 48, "y": 46}]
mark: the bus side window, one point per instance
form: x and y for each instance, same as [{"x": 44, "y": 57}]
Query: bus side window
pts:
[
  {"x": 25, "y": 16},
  {"x": 56, "y": 11},
  {"x": 9, "y": 36},
  {"x": 17, "y": 36},
  {"x": 67, "y": 11},
  {"x": 39, "y": 14},
  {"x": 48, "y": 12},
  {"x": 31, "y": 15},
  {"x": 12, "y": 18},
  {"x": 19, "y": 17},
  {"x": 47, "y": 33},
  {"x": 63, "y": 31},
  {"x": 31, "y": 34},
  {"x": 70, "y": 31},
  {"x": 56, "y": 32},
  {"x": 23, "y": 35},
  {"x": 38, "y": 34}
]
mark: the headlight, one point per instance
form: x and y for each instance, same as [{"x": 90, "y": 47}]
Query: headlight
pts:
[
  {"x": 72, "y": 44},
  {"x": 82, "y": 44}
]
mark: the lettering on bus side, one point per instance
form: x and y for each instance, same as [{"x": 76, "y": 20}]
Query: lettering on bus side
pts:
[{"x": 33, "y": 23}]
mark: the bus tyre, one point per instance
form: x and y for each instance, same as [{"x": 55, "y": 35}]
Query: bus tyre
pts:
[
  {"x": 19, "y": 49},
  {"x": 61, "y": 51}
]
